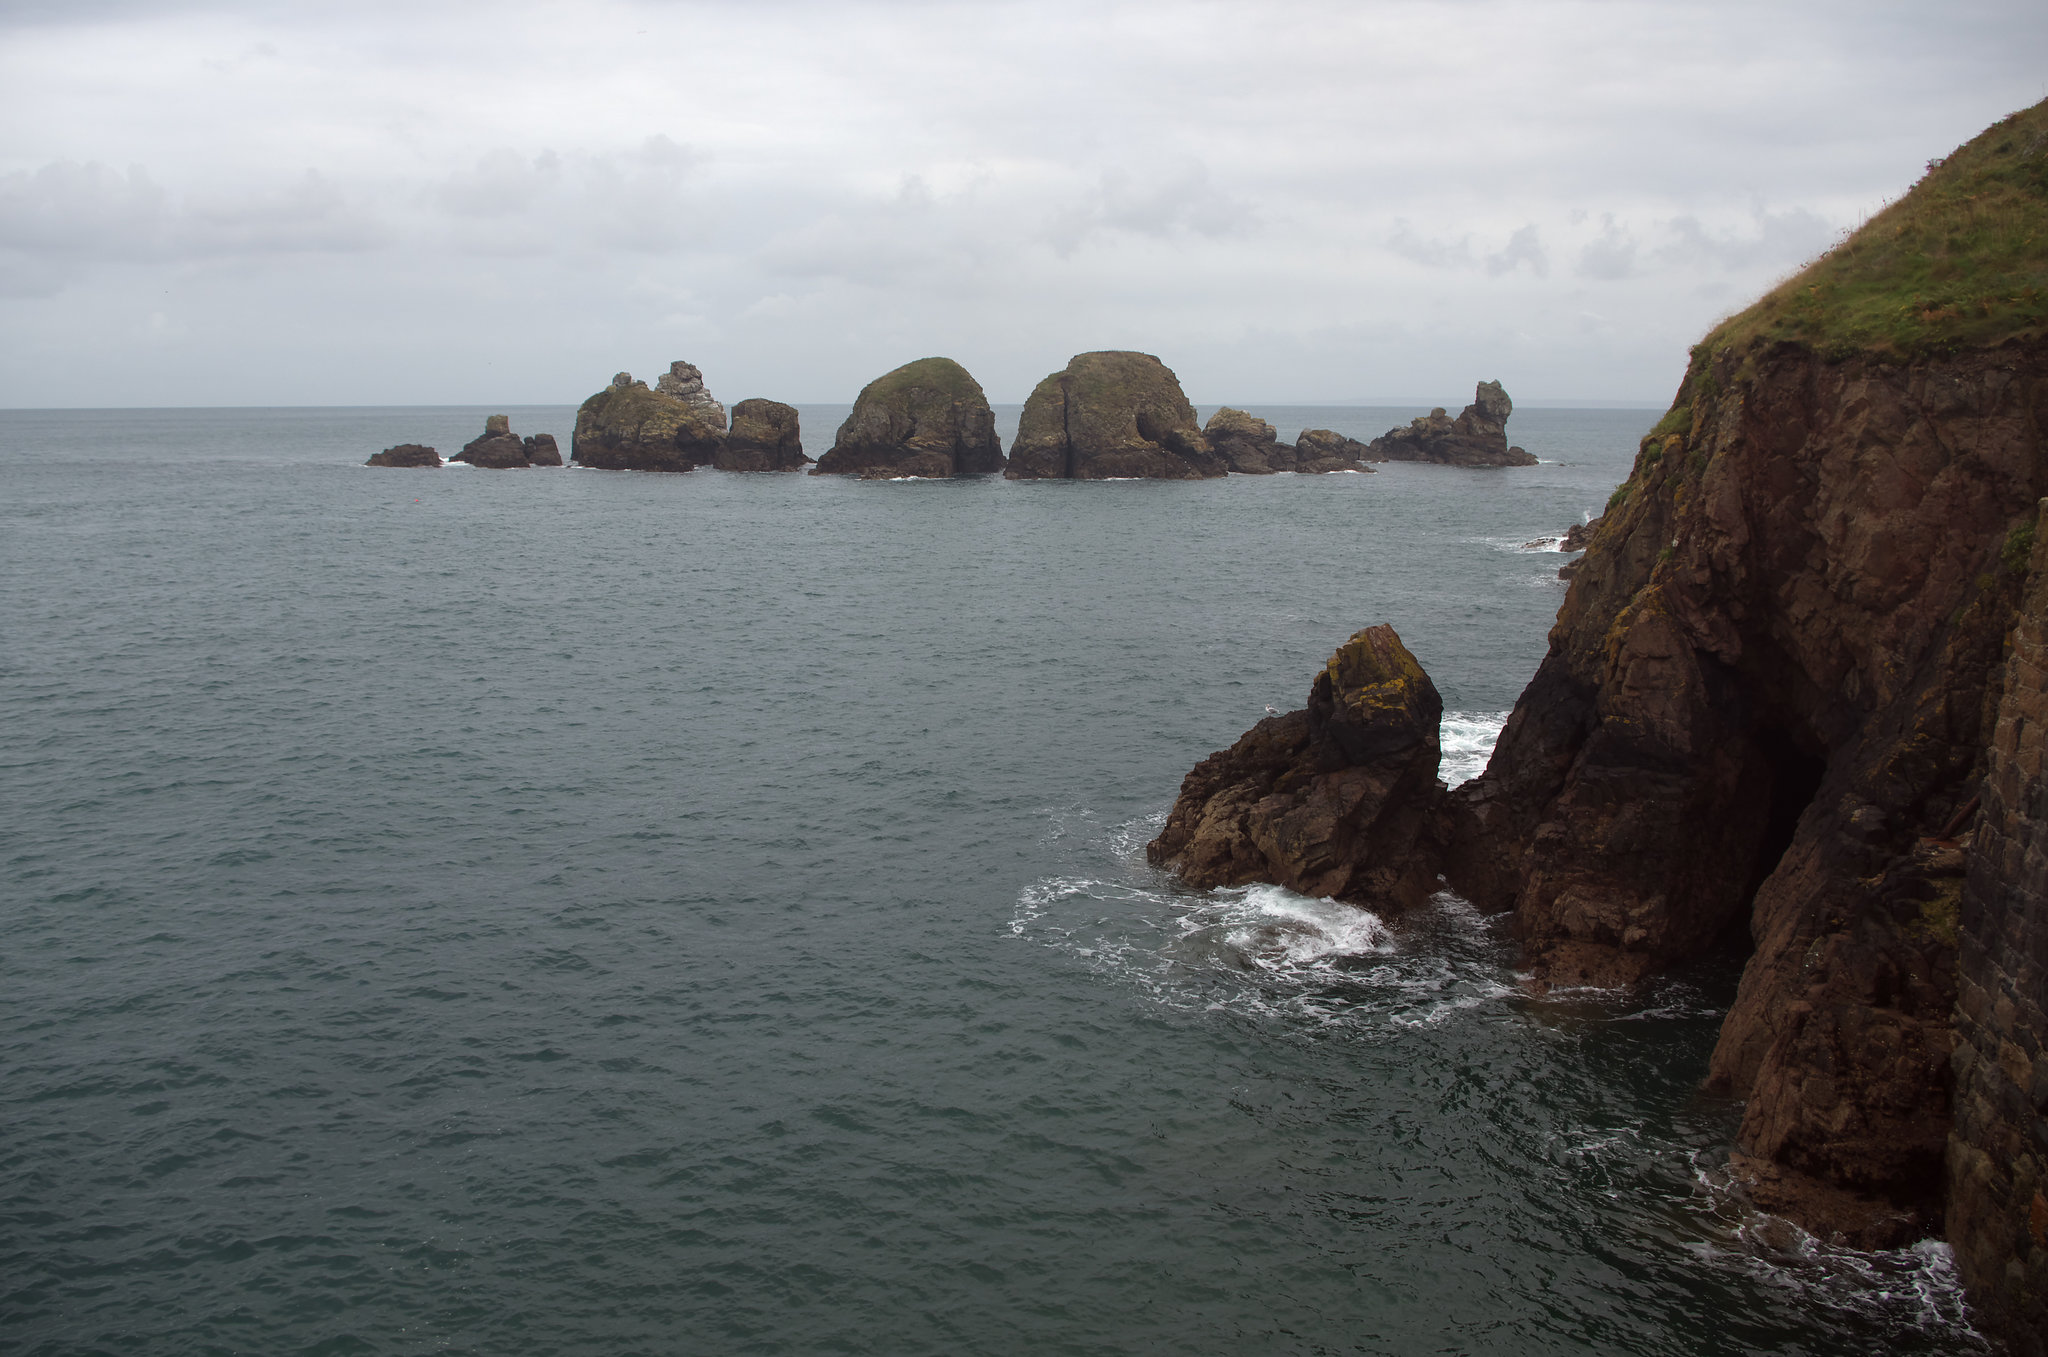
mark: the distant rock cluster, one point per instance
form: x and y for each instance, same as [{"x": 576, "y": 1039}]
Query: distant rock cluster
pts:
[{"x": 1108, "y": 415}]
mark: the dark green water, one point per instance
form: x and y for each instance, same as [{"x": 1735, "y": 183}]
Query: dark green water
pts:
[{"x": 583, "y": 912}]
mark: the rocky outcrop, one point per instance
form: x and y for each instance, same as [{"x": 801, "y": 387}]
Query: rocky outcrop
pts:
[
  {"x": 1331, "y": 800},
  {"x": 1325, "y": 450},
  {"x": 405, "y": 454},
  {"x": 1577, "y": 536},
  {"x": 1249, "y": 446},
  {"x": 927, "y": 418},
  {"x": 1998, "y": 1150},
  {"x": 1110, "y": 415},
  {"x": 764, "y": 437},
  {"x": 500, "y": 449},
  {"x": 1477, "y": 437},
  {"x": 628, "y": 427}
]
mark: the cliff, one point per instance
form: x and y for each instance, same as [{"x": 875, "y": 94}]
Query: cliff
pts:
[
  {"x": 1111, "y": 414},
  {"x": 1774, "y": 698}
]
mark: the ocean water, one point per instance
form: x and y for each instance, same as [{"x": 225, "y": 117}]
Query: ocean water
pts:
[{"x": 589, "y": 912}]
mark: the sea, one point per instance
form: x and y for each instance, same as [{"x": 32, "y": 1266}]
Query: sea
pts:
[{"x": 586, "y": 912}]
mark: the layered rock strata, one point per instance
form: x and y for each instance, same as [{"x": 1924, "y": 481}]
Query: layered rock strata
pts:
[
  {"x": 1330, "y": 800},
  {"x": 1110, "y": 415},
  {"x": 765, "y": 436},
  {"x": 630, "y": 427},
  {"x": 1249, "y": 446},
  {"x": 1998, "y": 1151},
  {"x": 1477, "y": 437},
  {"x": 405, "y": 455},
  {"x": 928, "y": 418},
  {"x": 500, "y": 449}
]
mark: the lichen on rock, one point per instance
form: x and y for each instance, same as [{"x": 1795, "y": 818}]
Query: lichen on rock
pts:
[
  {"x": 928, "y": 418},
  {"x": 630, "y": 427}
]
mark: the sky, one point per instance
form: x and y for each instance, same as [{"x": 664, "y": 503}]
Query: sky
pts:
[{"x": 1298, "y": 201}]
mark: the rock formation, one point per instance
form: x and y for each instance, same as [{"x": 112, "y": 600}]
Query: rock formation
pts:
[
  {"x": 627, "y": 427},
  {"x": 764, "y": 437},
  {"x": 1324, "y": 450},
  {"x": 1998, "y": 1151},
  {"x": 1111, "y": 414},
  {"x": 1477, "y": 437},
  {"x": 1775, "y": 694},
  {"x": 927, "y": 418},
  {"x": 500, "y": 449},
  {"x": 405, "y": 454},
  {"x": 1250, "y": 447},
  {"x": 1326, "y": 801}
]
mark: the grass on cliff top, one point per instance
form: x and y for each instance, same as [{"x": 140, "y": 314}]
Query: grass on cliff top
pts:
[
  {"x": 942, "y": 375},
  {"x": 1961, "y": 261}
]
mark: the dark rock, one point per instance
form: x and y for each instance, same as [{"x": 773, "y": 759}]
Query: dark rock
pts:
[
  {"x": 927, "y": 418},
  {"x": 764, "y": 437},
  {"x": 1324, "y": 450},
  {"x": 627, "y": 427},
  {"x": 500, "y": 449},
  {"x": 1248, "y": 445},
  {"x": 405, "y": 454},
  {"x": 1477, "y": 437},
  {"x": 1111, "y": 414},
  {"x": 1577, "y": 536},
  {"x": 1332, "y": 800}
]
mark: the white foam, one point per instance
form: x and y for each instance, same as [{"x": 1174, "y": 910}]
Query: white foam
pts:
[{"x": 1467, "y": 739}]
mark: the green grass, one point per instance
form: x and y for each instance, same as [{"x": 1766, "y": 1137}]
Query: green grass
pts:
[{"x": 1961, "y": 261}]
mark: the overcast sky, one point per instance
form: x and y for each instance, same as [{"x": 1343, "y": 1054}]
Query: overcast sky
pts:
[{"x": 504, "y": 203}]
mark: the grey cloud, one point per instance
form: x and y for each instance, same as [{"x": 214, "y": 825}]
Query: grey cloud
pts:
[
  {"x": 1434, "y": 253},
  {"x": 503, "y": 183},
  {"x": 1609, "y": 258},
  {"x": 1161, "y": 206},
  {"x": 1778, "y": 239},
  {"x": 1525, "y": 246}
]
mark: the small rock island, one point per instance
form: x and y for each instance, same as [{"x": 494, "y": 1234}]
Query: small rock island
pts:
[
  {"x": 1249, "y": 446},
  {"x": 499, "y": 449},
  {"x": 1112, "y": 414},
  {"x": 1477, "y": 437},
  {"x": 628, "y": 426},
  {"x": 405, "y": 455},
  {"x": 928, "y": 418}
]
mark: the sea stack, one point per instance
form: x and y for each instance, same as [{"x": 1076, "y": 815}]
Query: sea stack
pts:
[
  {"x": 1249, "y": 446},
  {"x": 1111, "y": 414},
  {"x": 1477, "y": 437},
  {"x": 764, "y": 437},
  {"x": 1330, "y": 800},
  {"x": 500, "y": 449},
  {"x": 676, "y": 426},
  {"x": 927, "y": 418},
  {"x": 406, "y": 455}
]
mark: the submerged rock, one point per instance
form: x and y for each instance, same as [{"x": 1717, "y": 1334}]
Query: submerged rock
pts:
[
  {"x": 1477, "y": 437},
  {"x": 405, "y": 454},
  {"x": 499, "y": 449},
  {"x": 1111, "y": 414},
  {"x": 764, "y": 437},
  {"x": 1332, "y": 800},
  {"x": 927, "y": 418},
  {"x": 628, "y": 427}
]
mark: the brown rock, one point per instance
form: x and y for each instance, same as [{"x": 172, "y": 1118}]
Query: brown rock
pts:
[
  {"x": 627, "y": 427},
  {"x": 1477, "y": 437},
  {"x": 407, "y": 455},
  {"x": 1112, "y": 414},
  {"x": 500, "y": 449},
  {"x": 1330, "y": 801},
  {"x": 1248, "y": 445},
  {"x": 1324, "y": 450},
  {"x": 928, "y": 418},
  {"x": 764, "y": 437}
]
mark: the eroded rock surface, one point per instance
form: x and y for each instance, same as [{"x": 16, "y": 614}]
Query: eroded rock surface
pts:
[
  {"x": 927, "y": 418},
  {"x": 499, "y": 449},
  {"x": 406, "y": 455},
  {"x": 630, "y": 427},
  {"x": 1109, "y": 415},
  {"x": 765, "y": 436},
  {"x": 1331, "y": 800},
  {"x": 1477, "y": 437},
  {"x": 1325, "y": 450},
  {"x": 1249, "y": 446}
]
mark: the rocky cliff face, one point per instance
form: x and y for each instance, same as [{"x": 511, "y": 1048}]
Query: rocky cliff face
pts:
[
  {"x": 1331, "y": 800},
  {"x": 1762, "y": 710},
  {"x": 1477, "y": 437},
  {"x": 1111, "y": 414},
  {"x": 1998, "y": 1152},
  {"x": 628, "y": 427},
  {"x": 927, "y": 418}
]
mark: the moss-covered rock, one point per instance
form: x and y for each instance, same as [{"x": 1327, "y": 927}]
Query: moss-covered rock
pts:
[
  {"x": 628, "y": 427},
  {"x": 764, "y": 437},
  {"x": 1111, "y": 414},
  {"x": 927, "y": 418}
]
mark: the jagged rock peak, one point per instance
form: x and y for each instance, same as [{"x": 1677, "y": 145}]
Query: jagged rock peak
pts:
[
  {"x": 685, "y": 382},
  {"x": 1477, "y": 437}
]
